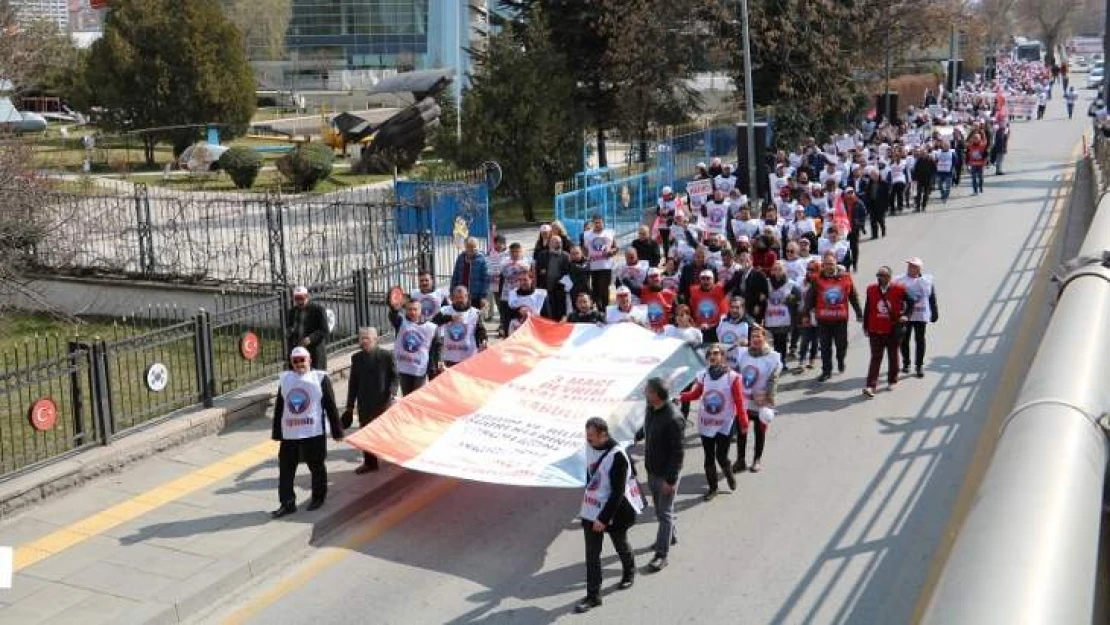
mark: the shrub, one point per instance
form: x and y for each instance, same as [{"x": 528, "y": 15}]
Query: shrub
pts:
[
  {"x": 307, "y": 165},
  {"x": 242, "y": 164}
]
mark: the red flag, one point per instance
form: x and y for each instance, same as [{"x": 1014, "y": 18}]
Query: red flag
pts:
[{"x": 840, "y": 216}]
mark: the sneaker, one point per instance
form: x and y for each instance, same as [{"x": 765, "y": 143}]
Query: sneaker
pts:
[
  {"x": 587, "y": 604},
  {"x": 890, "y": 386},
  {"x": 920, "y": 372},
  {"x": 658, "y": 563},
  {"x": 869, "y": 392},
  {"x": 906, "y": 369},
  {"x": 710, "y": 495},
  {"x": 739, "y": 466},
  {"x": 809, "y": 365},
  {"x": 757, "y": 466},
  {"x": 626, "y": 582}
]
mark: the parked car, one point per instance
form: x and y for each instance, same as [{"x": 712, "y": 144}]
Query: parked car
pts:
[
  {"x": 1095, "y": 76},
  {"x": 1077, "y": 63}
]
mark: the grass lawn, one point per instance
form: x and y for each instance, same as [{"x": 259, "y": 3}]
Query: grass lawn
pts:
[
  {"x": 26, "y": 340},
  {"x": 509, "y": 212},
  {"x": 268, "y": 180}
]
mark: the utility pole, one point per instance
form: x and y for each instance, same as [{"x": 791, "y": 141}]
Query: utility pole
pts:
[
  {"x": 953, "y": 54},
  {"x": 749, "y": 102},
  {"x": 458, "y": 67},
  {"x": 886, "y": 76},
  {"x": 1106, "y": 52}
]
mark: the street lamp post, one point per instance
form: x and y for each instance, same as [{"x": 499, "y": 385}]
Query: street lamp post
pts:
[{"x": 749, "y": 103}]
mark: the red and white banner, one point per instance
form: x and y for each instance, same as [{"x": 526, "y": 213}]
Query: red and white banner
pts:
[{"x": 516, "y": 413}]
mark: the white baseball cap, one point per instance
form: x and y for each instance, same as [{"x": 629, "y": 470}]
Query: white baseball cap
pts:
[
  {"x": 624, "y": 291},
  {"x": 299, "y": 352},
  {"x": 916, "y": 262},
  {"x": 667, "y": 190},
  {"x": 300, "y": 290}
]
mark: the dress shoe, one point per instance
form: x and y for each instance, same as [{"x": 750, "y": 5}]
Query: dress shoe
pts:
[
  {"x": 739, "y": 466},
  {"x": 626, "y": 582},
  {"x": 314, "y": 504},
  {"x": 658, "y": 563},
  {"x": 285, "y": 510},
  {"x": 587, "y": 604},
  {"x": 366, "y": 468},
  {"x": 710, "y": 495}
]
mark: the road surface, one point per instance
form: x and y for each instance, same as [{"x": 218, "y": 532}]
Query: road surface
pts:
[{"x": 840, "y": 527}]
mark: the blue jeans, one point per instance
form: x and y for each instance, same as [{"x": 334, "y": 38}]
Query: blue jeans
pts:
[
  {"x": 664, "y": 514},
  {"x": 976, "y": 178},
  {"x": 944, "y": 183}
]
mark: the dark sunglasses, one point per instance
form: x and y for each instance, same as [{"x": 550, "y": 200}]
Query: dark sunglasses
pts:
[{"x": 298, "y": 361}]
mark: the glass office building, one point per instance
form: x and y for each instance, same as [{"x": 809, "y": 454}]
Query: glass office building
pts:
[{"x": 344, "y": 44}]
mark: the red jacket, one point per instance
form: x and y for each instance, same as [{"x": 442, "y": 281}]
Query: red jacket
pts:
[
  {"x": 660, "y": 305},
  {"x": 708, "y": 306},
  {"x": 881, "y": 312},
  {"x": 977, "y": 154},
  {"x": 737, "y": 400},
  {"x": 764, "y": 259},
  {"x": 833, "y": 297}
]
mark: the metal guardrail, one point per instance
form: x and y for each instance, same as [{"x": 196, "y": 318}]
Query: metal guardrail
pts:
[{"x": 1028, "y": 551}]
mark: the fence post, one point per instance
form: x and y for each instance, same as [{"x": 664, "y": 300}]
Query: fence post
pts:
[
  {"x": 77, "y": 350},
  {"x": 362, "y": 298},
  {"x": 284, "y": 303},
  {"x": 426, "y": 246},
  {"x": 275, "y": 238},
  {"x": 143, "y": 229},
  {"x": 203, "y": 357},
  {"x": 101, "y": 391}
]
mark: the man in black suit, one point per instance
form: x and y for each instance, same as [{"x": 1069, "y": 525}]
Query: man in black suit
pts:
[
  {"x": 307, "y": 324},
  {"x": 372, "y": 385}
]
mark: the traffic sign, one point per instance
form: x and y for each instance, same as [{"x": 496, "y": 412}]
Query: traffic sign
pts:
[
  {"x": 249, "y": 346},
  {"x": 43, "y": 414}
]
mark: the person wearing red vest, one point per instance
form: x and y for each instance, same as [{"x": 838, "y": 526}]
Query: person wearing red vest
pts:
[
  {"x": 977, "y": 155},
  {"x": 885, "y": 310},
  {"x": 829, "y": 299},
  {"x": 658, "y": 300},
  {"x": 708, "y": 301}
]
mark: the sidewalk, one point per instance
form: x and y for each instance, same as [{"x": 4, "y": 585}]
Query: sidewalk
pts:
[{"x": 173, "y": 533}]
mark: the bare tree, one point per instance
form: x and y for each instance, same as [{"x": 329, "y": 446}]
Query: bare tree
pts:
[
  {"x": 263, "y": 24},
  {"x": 31, "y": 53},
  {"x": 1049, "y": 18}
]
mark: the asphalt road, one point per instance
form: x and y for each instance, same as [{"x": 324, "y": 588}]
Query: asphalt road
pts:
[{"x": 840, "y": 527}]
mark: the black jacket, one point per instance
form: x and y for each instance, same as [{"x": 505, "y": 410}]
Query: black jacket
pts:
[
  {"x": 331, "y": 412},
  {"x": 310, "y": 322},
  {"x": 689, "y": 277},
  {"x": 662, "y": 434},
  {"x": 372, "y": 383},
  {"x": 591, "y": 317},
  {"x": 617, "y": 511},
  {"x": 648, "y": 250},
  {"x": 754, "y": 287}
]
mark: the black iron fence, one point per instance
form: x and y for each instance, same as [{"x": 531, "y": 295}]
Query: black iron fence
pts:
[{"x": 58, "y": 396}]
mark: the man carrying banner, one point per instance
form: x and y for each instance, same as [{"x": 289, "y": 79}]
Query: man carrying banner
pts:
[
  {"x": 415, "y": 348},
  {"x": 304, "y": 413},
  {"x": 464, "y": 334},
  {"x": 371, "y": 385},
  {"x": 609, "y": 506},
  {"x": 722, "y": 405},
  {"x": 525, "y": 301},
  {"x": 663, "y": 455}
]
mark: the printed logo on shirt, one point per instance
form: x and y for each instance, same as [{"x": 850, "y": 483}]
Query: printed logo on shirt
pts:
[
  {"x": 713, "y": 402},
  {"x": 599, "y": 244},
  {"x": 728, "y": 337},
  {"x": 750, "y": 375},
  {"x": 456, "y": 331},
  {"x": 298, "y": 401},
  {"x": 706, "y": 309},
  {"x": 654, "y": 312},
  {"x": 412, "y": 341},
  {"x": 427, "y": 307},
  {"x": 833, "y": 295}
]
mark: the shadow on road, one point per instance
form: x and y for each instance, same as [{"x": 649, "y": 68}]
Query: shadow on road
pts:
[{"x": 915, "y": 479}]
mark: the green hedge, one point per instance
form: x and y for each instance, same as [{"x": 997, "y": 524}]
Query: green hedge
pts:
[
  {"x": 242, "y": 164},
  {"x": 307, "y": 165}
]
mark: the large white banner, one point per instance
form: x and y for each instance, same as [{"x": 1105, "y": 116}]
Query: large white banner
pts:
[{"x": 516, "y": 413}]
